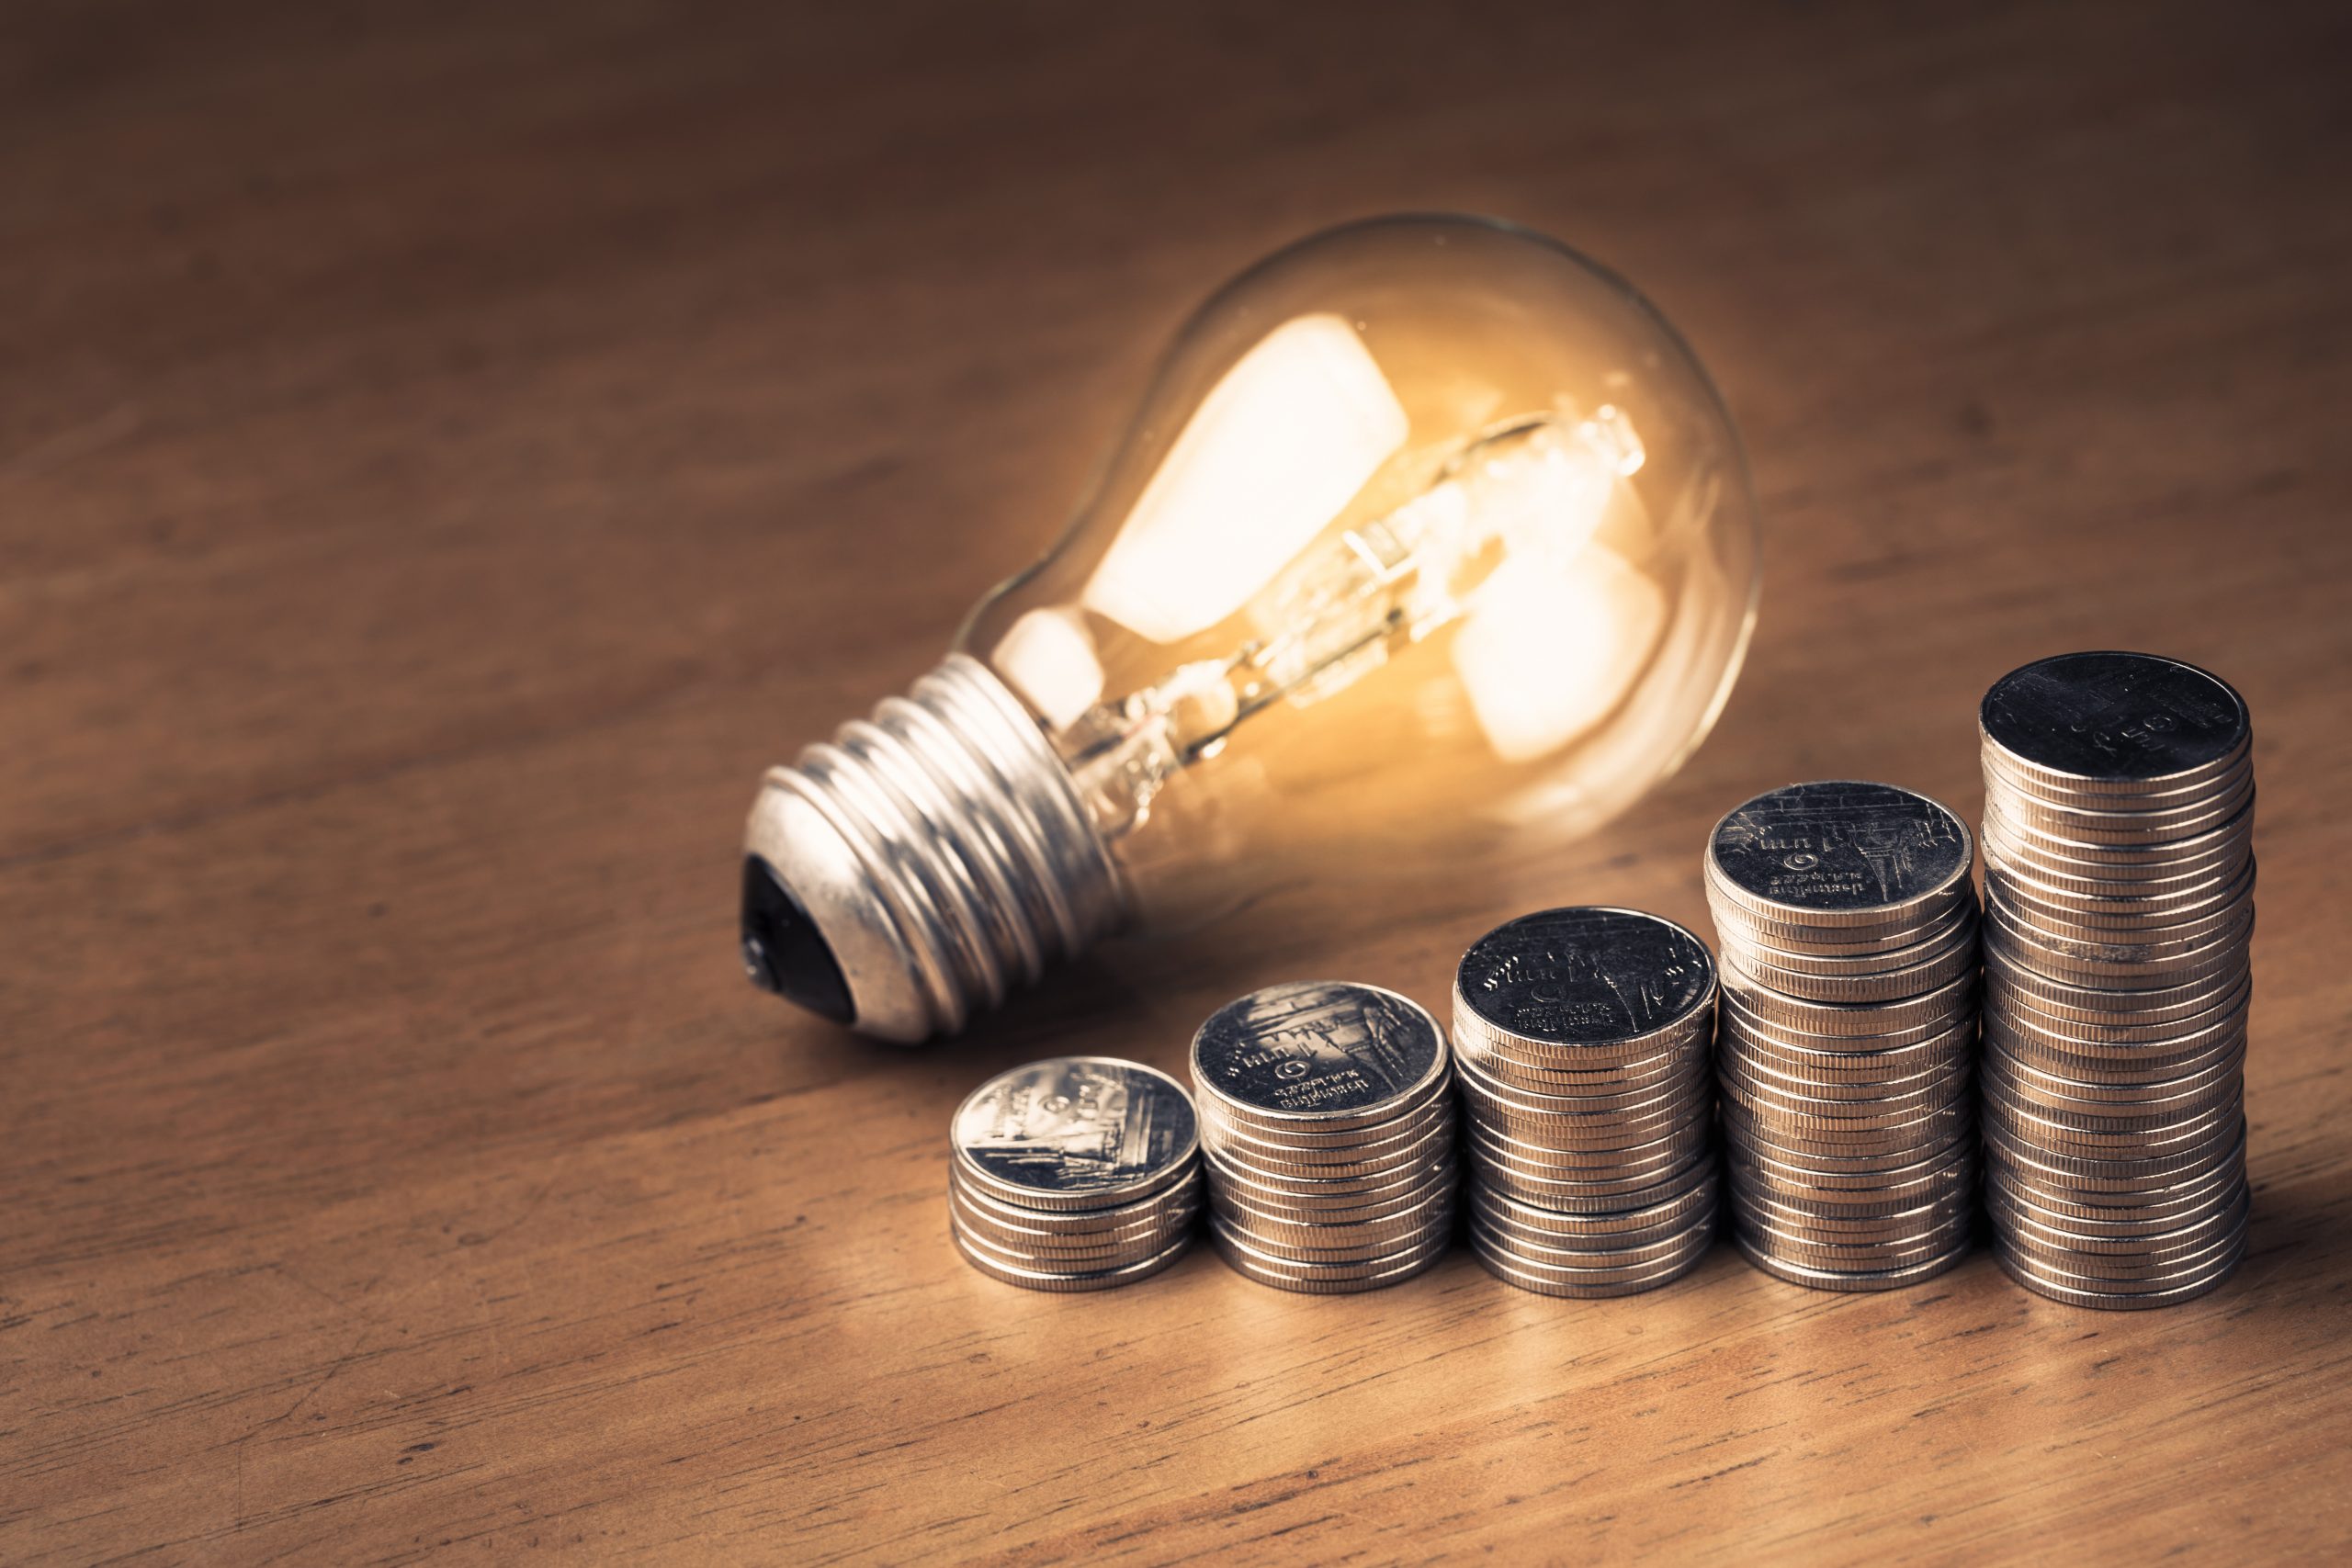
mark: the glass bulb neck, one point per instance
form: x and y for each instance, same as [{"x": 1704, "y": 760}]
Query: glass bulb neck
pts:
[{"x": 906, "y": 875}]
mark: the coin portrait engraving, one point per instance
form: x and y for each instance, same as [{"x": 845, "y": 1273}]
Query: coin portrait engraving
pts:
[
  {"x": 1586, "y": 976},
  {"x": 1076, "y": 1124},
  {"x": 1840, "y": 845},
  {"x": 2114, "y": 715},
  {"x": 1317, "y": 1046}
]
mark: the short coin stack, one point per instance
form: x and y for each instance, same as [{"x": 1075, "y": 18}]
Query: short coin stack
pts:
[
  {"x": 2119, "y": 879},
  {"x": 1582, "y": 1039},
  {"x": 1327, "y": 1116},
  {"x": 1076, "y": 1173},
  {"x": 1848, "y": 925}
]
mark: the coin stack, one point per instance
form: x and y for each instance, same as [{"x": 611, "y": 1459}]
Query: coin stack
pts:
[
  {"x": 2118, "y": 877},
  {"x": 1076, "y": 1173},
  {"x": 1581, "y": 1038},
  {"x": 1847, "y": 924},
  {"x": 1327, "y": 1118}
]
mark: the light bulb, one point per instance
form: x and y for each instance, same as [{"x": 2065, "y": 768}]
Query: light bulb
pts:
[{"x": 1425, "y": 523}]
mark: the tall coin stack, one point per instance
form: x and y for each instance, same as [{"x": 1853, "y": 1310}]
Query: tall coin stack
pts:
[
  {"x": 1848, "y": 926},
  {"x": 2118, "y": 817},
  {"x": 1581, "y": 1038},
  {"x": 1076, "y": 1173},
  {"x": 1327, "y": 1118}
]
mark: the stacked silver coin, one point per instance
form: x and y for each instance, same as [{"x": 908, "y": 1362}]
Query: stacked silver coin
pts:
[
  {"x": 1847, "y": 927},
  {"x": 1327, "y": 1118},
  {"x": 1076, "y": 1173},
  {"x": 1581, "y": 1040},
  {"x": 2118, "y": 876}
]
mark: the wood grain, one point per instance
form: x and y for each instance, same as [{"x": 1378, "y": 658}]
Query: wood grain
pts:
[{"x": 446, "y": 452}]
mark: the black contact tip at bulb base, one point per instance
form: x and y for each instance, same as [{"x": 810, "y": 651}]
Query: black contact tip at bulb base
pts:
[{"x": 783, "y": 950}]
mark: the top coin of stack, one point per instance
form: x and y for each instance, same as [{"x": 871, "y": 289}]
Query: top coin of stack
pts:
[
  {"x": 1581, "y": 1037},
  {"x": 1076, "y": 1173},
  {"x": 1327, "y": 1118},
  {"x": 1848, "y": 925},
  {"x": 2118, "y": 819}
]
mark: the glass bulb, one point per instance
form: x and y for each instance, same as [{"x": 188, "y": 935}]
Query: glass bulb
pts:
[{"x": 1426, "y": 524}]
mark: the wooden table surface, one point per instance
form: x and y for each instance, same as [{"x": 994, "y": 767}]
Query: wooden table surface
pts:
[{"x": 445, "y": 453}]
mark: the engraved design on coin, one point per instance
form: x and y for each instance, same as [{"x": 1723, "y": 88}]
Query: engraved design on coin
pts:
[
  {"x": 1316, "y": 1045},
  {"x": 2114, "y": 715},
  {"x": 1840, "y": 845},
  {"x": 1586, "y": 976},
  {"x": 1077, "y": 1124}
]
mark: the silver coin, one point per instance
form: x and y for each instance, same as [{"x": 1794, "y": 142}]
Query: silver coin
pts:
[
  {"x": 1377, "y": 1144},
  {"x": 2170, "y": 904},
  {"x": 1819, "y": 1278},
  {"x": 1283, "y": 1194},
  {"x": 1016, "y": 1227},
  {"x": 978, "y": 1242},
  {"x": 1660, "y": 1154},
  {"x": 2013, "y": 782},
  {"x": 1793, "y": 1244},
  {"x": 1955, "y": 958},
  {"x": 2009, "y": 1158},
  {"x": 2123, "y": 1271},
  {"x": 1090, "y": 1280},
  {"x": 1075, "y": 1133},
  {"x": 1317, "y": 1053},
  {"x": 1431, "y": 1104},
  {"x": 1254, "y": 1263},
  {"x": 1826, "y": 1161},
  {"x": 2189, "y": 1233},
  {"x": 2218, "y": 957},
  {"x": 2075, "y": 825},
  {"x": 2211, "y": 1216},
  {"x": 1769, "y": 959},
  {"x": 2113, "y": 868},
  {"x": 2066, "y": 935},
  {"x": 1374, "y": 1157},
  {"x": 1617, "y": 1190},
  {"x": 1840, "y": 853},
  {"x": 1553, "y": 1282},
  {"x": 2033, "y": 1085},
  {"x": 1685, "y": 1056},
  {"x": 1187, "y": 1187},
  {"x": 2167, "y": 1295},
  {"x": 2157, "y": 1103},
  {"x": 2160, "y": 1202},
  {"x": 2215, "y": 856},
  {"x": 1953, "y": 1180},
  {"x": 2115, "y": 723},
  {"x": 1542, "y": 1116},
  {"x": 1590, "y": 982},
  {"x": 1743, "y": 1029},
  {"x": 2019, "y": 1020},
  {"x": 2009, "y": 985},
  {"x": 1645, "y": 1215},
  {"x": 1392, "y": 1228},
  {"x": 1736, "y": 927},
  {"x": 1549, "y": 1254},
  {"x": 1826, "y": 1022},
  {"x": 1340, "y": 1248},
  {"x": 1831, "y": 1224},
  {"x": 1613, "y": 1097}
]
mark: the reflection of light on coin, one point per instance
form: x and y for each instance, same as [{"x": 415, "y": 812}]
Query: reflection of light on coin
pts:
[{"x": 1801, "y": 862}]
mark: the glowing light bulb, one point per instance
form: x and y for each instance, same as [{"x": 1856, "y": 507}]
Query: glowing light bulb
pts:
[{"x": 1424, "y": 521}]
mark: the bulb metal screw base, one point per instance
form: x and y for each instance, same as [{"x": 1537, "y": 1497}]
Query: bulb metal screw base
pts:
[{"x": 906, "y": 875}]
